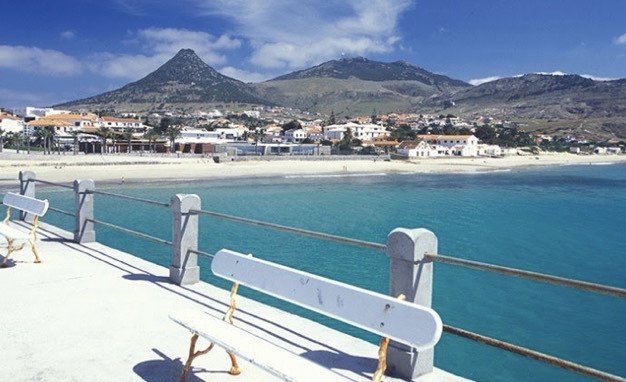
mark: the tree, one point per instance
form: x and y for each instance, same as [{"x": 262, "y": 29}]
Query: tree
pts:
[
  {"x": 172, "y": 132},
  {"x": 1, "y": 139},
  {"x": 128, "y": 135},
  {"x": 294, "y": 124},
  {"x": 402, "y": 133},
  {"x": 347, "y": 141},
  {"x": 75, "y": 134},
  {"x": 105, "y": 133},
  {"x": 332, "y": 119},
  {"x": 151, "y": 135}
]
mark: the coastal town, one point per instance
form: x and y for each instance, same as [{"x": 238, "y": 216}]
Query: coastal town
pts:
[{"x": 280, "y": 131}]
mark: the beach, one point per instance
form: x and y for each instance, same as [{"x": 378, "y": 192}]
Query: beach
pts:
[{"x": 125, "y": 168}]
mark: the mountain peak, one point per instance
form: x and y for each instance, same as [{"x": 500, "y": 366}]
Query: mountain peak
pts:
[{"x": 369, "y": 70}]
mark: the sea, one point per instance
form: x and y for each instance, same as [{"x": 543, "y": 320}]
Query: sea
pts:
[{"x": 568, "y": 221}]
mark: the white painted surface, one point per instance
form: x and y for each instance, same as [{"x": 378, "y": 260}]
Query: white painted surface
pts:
[
  {"x": 402, "y": 321},
  {"x": 94, "y": 313},
  {"x": 275, "y": 360},
  {"x": 25, "y": 203}
]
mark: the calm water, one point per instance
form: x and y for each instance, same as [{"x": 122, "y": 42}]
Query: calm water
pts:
[{"x": 567, "y": 221}]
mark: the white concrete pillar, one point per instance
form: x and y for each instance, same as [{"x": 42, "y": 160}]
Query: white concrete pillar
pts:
[
  {"x": 27, "y": 188},
  {"x": 184, "y": 269},
  {"x": 412, "y": 276},
  {"x": 83, "y": 208}
]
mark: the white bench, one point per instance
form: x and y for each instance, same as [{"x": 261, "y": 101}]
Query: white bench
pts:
[
  {"x": 394, "y": 318},
  {"x": 16, "y": 239}
]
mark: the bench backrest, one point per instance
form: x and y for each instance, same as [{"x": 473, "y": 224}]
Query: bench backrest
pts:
[
  {"x": 26, "y": 203},
  {"x": 402, "y": 321}
]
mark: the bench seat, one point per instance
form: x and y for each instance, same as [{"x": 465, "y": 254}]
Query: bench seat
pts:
[
  {"x": 12, "y": 233},
  {"x": 274, "y": 359}
]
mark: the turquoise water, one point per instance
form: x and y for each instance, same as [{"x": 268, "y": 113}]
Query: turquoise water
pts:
[{"x": 567, "y": 221}]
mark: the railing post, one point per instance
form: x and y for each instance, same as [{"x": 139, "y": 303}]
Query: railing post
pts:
[
  {"x": 184, "y": 269},
  {"x": 27, "y": 188},
  {"x": 412, "y": 276},
  {"x": 83, "y": 206}
]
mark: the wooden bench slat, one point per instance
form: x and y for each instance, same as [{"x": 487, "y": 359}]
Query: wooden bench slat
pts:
[
  {"x": 25, "y": 203},
  {"x": 275, "y": 360},
  {"x": 402, "y": 321}
]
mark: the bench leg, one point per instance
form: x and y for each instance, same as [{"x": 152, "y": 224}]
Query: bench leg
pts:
[
  {"x": 228, "y": 317},
  {"x": 193, "y": 354},
  {"x": 10, "y": 249},
  {"x": 32, "y": 247},
  {"x": 382, "y": 360}
]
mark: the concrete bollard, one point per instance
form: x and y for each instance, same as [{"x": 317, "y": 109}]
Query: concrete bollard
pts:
[
  {"x": 83, "y": 206},
  {"x": 184, "y": 269},
  {"x": 412, "y": 276},
  {"x": 27, "y": 188}
]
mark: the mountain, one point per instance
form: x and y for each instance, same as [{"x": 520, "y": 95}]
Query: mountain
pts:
[
  {"x": 352, "y": 86},
  {"x": 538, "y": 96},
  {"x": 368, "y": 70},
  {"x": 185, "y": 80}
]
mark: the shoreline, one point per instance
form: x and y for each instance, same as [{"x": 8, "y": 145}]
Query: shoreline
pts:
[{"x": 111, "y": 169}]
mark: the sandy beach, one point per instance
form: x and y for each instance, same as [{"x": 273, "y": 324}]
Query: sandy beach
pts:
[{"x": 135, "y": 168}]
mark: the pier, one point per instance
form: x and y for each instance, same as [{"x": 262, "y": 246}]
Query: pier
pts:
[{"x": 90, "y": 311}]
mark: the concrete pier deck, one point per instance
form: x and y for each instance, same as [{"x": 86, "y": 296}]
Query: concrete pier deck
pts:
[{"x": 90, "y": 312}]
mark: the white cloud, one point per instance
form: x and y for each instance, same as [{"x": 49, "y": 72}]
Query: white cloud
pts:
[
  {"x": 38, "y": 61},
  {"x": 480, "y": 81},
  {"x": 297, "y": 33},
  {"x": 243, "y": 75},
  {"x": 68, "y": 35},
  {"x": 621, "y": 40},
  {"x": 161, "y": 44},
  {"x": 127, "y": 67}
]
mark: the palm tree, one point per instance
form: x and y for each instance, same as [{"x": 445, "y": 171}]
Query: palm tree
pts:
[
  {"x": 1, "y": 139},
  {"x": 104, "y": 132},
  {"x": 151, "y": 135},
  {"x": 13, "y": 139},
  {"x": 75, "y": 134},
  {"x": 128, "y": 135},
  {"x": 172, "y": 132}
]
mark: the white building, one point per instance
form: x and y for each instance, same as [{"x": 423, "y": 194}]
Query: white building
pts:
[
  {"x": 121, "y": 124},
  {"x": 364, "y": 132},
  {"x": 489, "y": 150},
  {"x": 10, "y": 123},
  {"x": 461, "y": 145},
  {"x": 189, "y": 135},
  {"x": 296, "y": 135}
]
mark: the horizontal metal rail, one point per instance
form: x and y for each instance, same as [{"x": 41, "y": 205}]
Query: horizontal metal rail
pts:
[
  {"x": 202, "y": 253},
  {"x": 131, "y": 198},
  {"x": 61, "y": 211},
  {"x": 584, "y": 285},
  {"x": 572, "y": 366},
  {"x": 54, "y": 184},
  {"x": 320, "y": 235},
  {"x": 131, "y": 232}
]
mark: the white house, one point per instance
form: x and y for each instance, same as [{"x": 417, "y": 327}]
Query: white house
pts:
[
  {"x": 10, "y": 123},
  {"x": 296, "y": 135},
  {"x": 121, "y": 124},
  {"x": 489, "y": 150},
  {"x": 364, "y": 132},
  {"x": 461, "y": 145}
]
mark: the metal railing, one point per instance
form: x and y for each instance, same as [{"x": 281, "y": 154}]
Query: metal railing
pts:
[
  {"x": 133, "y": 198},
  {"x": 583, "y": 285},
  {"x": 578, "y": 284}
]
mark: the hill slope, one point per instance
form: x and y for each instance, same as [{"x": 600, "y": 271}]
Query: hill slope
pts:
[
  {"x": 183, "y": 80},
  {"x": 538, "y": 96},
  {"x": 353, "y": 86}
]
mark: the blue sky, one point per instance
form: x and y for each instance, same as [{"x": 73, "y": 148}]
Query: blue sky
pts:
[{"x": 55, "y": 51}]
